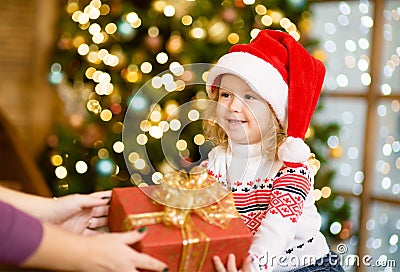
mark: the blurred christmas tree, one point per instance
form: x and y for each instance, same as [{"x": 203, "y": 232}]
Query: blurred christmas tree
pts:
[{"x": 108, "y": 49}]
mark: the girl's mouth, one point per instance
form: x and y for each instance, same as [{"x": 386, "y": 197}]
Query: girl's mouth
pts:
[{"x": 235, "y": 121}]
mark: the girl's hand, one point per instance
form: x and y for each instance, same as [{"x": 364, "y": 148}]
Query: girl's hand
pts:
[
  {"x": 80, "y": 213},
  {"x": 231, "y": 264}
]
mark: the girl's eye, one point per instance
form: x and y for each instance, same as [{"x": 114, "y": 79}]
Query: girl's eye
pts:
[
  {"x": 225, "y": 95},
  {"x": 248, "y": 96}
]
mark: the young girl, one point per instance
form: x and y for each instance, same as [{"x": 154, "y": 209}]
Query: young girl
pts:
[{"x": 266, "y": 92}]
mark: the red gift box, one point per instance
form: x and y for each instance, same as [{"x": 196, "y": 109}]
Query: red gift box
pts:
[{"x": 166, "y": 242}]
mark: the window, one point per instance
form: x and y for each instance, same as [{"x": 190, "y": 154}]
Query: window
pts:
[{"x": 361, "y": 41}]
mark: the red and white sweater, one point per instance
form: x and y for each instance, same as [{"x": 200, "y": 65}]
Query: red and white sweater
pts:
[{"x": 276, "y": 203}]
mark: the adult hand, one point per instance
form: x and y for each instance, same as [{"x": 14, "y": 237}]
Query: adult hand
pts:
[
  {"x": 111, "y": 252},
  {"x": 107, "y": 252},
  {"x": 81, "y": 213},
  {"x": 231, "y": 264}
]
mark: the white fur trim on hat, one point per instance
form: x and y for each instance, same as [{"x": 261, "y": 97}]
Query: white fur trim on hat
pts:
[
  {"x": 260, "y": 75},
  {"x": 294, "y": 150}
]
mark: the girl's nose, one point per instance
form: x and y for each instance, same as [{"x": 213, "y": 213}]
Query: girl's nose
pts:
[{"x": 236, "y": 104}]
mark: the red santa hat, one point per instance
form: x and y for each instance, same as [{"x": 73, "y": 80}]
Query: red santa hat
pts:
[{"x": 282, "y": 72}]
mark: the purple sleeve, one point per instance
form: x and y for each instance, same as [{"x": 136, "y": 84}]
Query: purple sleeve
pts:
[{"x": 20, "y": 234}]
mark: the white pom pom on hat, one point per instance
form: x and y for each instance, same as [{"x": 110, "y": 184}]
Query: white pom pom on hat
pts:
[
  {"x": 282, "y": 72},
  {"x": 294, "y": 150}
]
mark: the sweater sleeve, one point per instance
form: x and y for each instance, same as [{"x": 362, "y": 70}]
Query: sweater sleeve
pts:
[
  {"x": 20, "y": 235},
  {"x": 290, "y": 189}
]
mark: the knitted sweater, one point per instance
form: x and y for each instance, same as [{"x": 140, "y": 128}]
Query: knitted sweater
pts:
[{"x": 275, "y": 201}]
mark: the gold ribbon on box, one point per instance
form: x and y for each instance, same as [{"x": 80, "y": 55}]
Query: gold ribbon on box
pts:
[{"x": 182, "y": 194}]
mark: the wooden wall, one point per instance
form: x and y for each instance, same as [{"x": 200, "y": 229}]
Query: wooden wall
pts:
[{"x": 26, "y": 36}]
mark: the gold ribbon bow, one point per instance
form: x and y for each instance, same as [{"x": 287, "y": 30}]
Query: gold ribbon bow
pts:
[{"x": 181, "y": 195}]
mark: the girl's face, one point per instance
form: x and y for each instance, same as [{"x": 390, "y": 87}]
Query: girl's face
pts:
[{"x": 242, "y": 113}]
